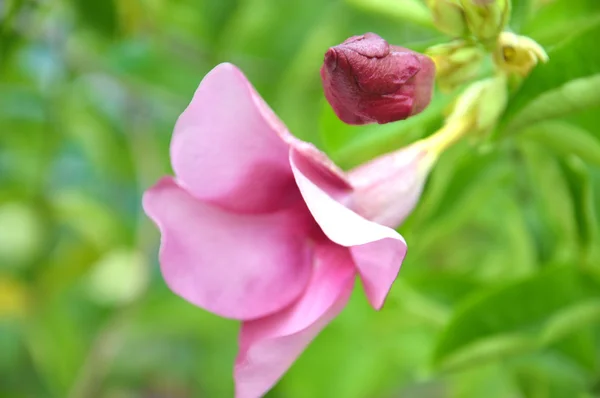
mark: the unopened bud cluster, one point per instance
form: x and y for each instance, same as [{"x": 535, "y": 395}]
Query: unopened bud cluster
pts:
[
  {"x": 478, "y": 26},
  {"x": 456, "y": 63},
  {"x": 367, "y": 80},
  {"x": 483, "y": 19}
]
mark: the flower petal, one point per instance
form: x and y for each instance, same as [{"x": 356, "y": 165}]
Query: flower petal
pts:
[
  {"x": 387, "y": 189},
  {"x": 269, "y": 346},
  {"x": 378, "y": 251},
  {"x": 228, "y": 147},
  {"x": 235, "y": 265},
  {"x": 323, "y": 168}
]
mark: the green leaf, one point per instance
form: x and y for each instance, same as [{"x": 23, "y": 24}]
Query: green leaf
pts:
[
  {"x": 572, "y": 97},
  {"x": 99, "y": 15},
  {"x": 570, "y": 320},
  {"x": 506, "y": 320},
  {"x": 488, "y": 349},
  {"x": 557, "y": 19},
  {"x": 58, "y": 337},
  {"x": 580, "y": 184},
  {"x": 577, "y": 347},
  {"x": 490, "y": 381},
  {"x": 520, "y": 14},
  {"x": 551, "y": 201},
  {"x": 549, "y": 375},
  {"x": 565, "y": 139},
  {"x": 405, "y": 10},
  {"x": 569, "y": 82},
  {"x": 459, "y": 171}
]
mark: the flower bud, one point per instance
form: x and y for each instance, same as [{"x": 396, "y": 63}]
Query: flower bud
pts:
[
  {"x": 449, "y": 17},
  {"x": 486, "y": 18},
  {"x": 456, "y": 63},
  {"x": 368, "y": 81},
  {"x": 481, "y": 104},
  {"x": 518, "y": 54}
]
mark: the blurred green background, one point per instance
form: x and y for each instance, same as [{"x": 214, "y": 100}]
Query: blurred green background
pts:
[{"x": 500, "y": 293}]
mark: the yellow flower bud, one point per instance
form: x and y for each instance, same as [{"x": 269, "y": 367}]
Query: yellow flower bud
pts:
[
  {"x": 449, "y": 17},
  {"x": 518, "y": 54},
  {"x": 481, "y": 104},
  {"x": 456, "y": 63},
  {"x": 486, "y": 18}
]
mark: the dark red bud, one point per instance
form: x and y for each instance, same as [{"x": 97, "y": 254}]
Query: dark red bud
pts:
[{"x": 368, "y": 81}]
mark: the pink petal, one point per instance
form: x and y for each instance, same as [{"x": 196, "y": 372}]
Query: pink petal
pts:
[
  {"x": 228, "y": 148},
  {"x": 320, "y": 164},
  {"x": 378, "y": 251},
  {"x": 387, "y": 189},
  {"x": 269, "y": 346},
  {"x": 237, "y": 266}
]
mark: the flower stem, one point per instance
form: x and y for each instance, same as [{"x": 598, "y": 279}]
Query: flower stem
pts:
[{"x": 448, "y": 135}]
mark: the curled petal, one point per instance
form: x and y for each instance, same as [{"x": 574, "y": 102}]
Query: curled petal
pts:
[
  {"x": 234, "y": 265},
  {"x": 228, "y": 148},
  {"x": 387, "y": 189},
  {"x": 378, "y": 251},
  {"x": 270, "y": 345},
  {"x": 321, "y": 167}
]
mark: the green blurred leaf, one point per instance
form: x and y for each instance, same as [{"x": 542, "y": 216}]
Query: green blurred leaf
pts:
[
  {"x": 572, "y": 97},
  {"x": 487, "y": 380},
  {"x": 58, "y": 337},
  {"x": 578, "y": 347},
  {"x": 459, "y": 172},
  {"x": 582, "y": 191},
  {"x": 520, "y": 13},
  {"x": 488, "y": 349},
  {"x": 548, "y": 375},
  {"x": 444, "y": 286},
  {"x": 360, "y": 354},
  {"x": 405, "y": 10},
  {"x": 570, "y": 320},
  {"x": 548, "y": 192},
  {"x": 166, "y": 329},
  {"x": 91, "y": 219},
  {"x": 556, "y": 19},
  {"x": 565, "y": 139},
  {"x": 506, "y": 320},
  {"x": 18, "y": 102},
  {"x": 82, "y": 121},
  {"x": 569, "y": 82},
  {"x": 99, "y": 15}
]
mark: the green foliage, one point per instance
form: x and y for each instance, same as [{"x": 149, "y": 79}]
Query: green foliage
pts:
[
  {"x": 568, "y": 84},
  {"x": 499, "y": 296}
]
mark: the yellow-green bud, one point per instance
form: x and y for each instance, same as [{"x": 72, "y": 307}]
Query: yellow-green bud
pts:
[
  {"x": 449, "y": 17},
  {"x": 456, "y": 63},
  {"x": 481, "y": 103},
  {"x": 486, "y": 18},
  {"x": 518, "y": 54}
]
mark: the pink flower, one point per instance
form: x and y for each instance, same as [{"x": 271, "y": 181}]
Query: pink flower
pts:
[
  {"x": 261, "y": 227},
  {"x": 366, "y": 80}
]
